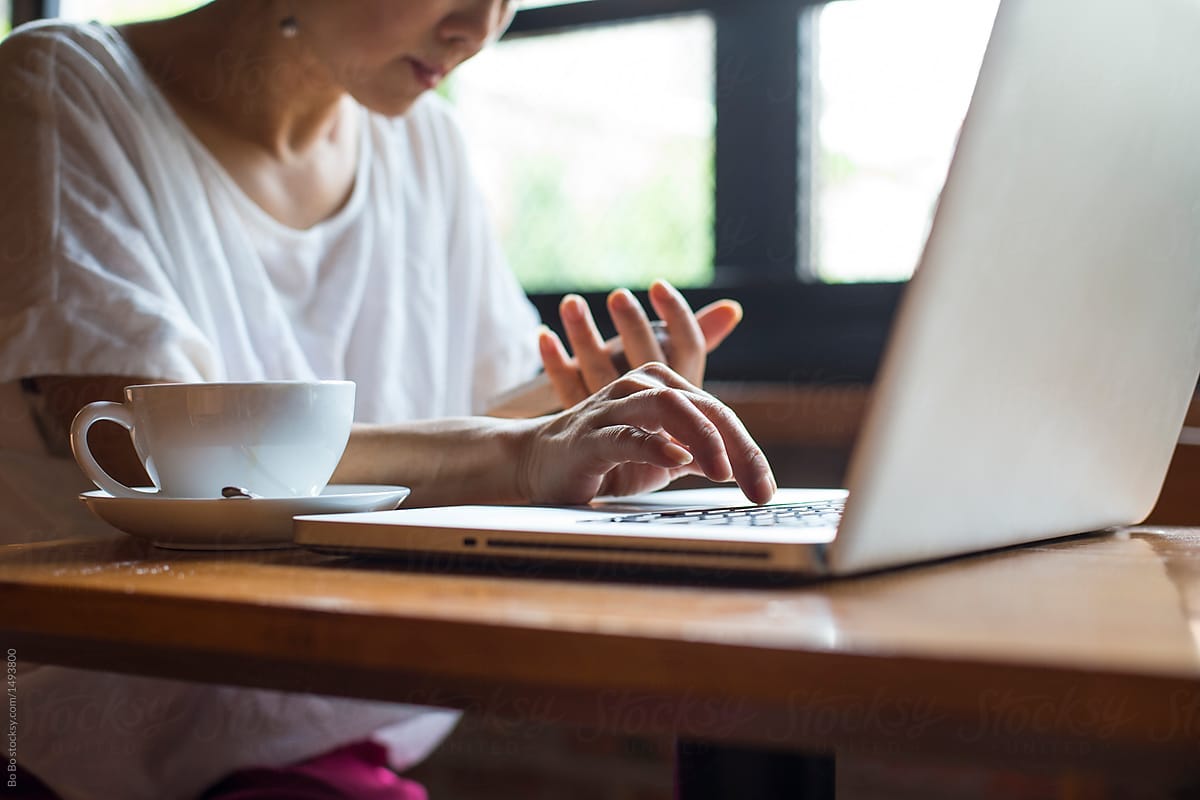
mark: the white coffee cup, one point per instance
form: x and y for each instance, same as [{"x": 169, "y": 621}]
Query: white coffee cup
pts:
[{"x": 272, "y": 438}]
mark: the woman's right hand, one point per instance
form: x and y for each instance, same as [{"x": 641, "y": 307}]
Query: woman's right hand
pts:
[{"x": 636, "y": 435}]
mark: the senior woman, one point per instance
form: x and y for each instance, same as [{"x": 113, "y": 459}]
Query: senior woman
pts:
[{"x": 265, "y": 190}]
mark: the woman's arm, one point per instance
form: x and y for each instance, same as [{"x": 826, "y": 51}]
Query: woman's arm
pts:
[
  {"x": 634, "y": 435},
  {"x": 443, "y": 461}
]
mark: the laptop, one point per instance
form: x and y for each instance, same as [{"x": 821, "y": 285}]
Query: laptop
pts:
[{"x": 1039, "y": 369}]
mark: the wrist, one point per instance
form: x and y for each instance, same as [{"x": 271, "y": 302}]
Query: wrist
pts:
[{"x": 518, "y": 442}]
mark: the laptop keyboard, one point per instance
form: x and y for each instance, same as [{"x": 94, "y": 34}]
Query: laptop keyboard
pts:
[{"x": 819, "y": 514}]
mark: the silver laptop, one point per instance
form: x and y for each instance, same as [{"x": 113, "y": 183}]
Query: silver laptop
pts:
[{"x": 1039, "y": 370}]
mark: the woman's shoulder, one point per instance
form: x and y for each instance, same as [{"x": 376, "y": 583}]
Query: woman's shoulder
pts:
[
  {"x": 50, "y": 36},
  {"x": 50, "y": 49}
]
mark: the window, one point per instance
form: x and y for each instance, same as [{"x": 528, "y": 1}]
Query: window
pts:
[
  {"x": 892, "y": 84},
  {"x": 599, "y": 170}
]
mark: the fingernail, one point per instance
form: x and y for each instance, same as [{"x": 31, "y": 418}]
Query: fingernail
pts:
[
  {"x": 572, "y": 305},
  {"x": 767, "y": 487},
  {"x": 681, "y": 456},
  {"x": 622, "y": 298}
]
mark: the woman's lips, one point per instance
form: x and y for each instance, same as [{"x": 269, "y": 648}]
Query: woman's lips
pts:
[{"x": 427, "y": 75}]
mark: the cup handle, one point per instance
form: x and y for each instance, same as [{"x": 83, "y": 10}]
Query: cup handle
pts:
[{"x": 88, "y": 416}]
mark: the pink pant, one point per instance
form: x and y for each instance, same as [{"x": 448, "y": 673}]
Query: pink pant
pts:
[{"x": 355, "y": 772}]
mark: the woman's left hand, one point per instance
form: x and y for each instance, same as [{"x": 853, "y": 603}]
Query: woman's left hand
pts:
[{"x": 690, "y": 337}]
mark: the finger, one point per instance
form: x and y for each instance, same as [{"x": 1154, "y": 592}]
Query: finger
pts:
[
  {"x": 747, "y": 461},
  {"x": 654, "y": 375},
  {"x": 628, "y": 479},
  {"x": 560, "y": 369},
  {"x": 674, "y": 413},
  {"x": 686, "y": 349},
  {"x": 733, "y": 447},
  {"x": 633, "y": 326},
  {"x": 717, "y": 320},
  {"x": 590, "y": 353},
  {"x": 750, "y": 467},
  {"x": 622, "y": 444}
]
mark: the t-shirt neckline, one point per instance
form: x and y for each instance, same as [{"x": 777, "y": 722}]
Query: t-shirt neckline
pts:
[{"x": 348, "y": 210}]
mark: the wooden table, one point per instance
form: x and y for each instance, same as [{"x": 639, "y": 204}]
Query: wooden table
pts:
[{"x": 1081, "y": 653}]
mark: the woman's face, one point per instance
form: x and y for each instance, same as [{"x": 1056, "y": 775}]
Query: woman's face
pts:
[{"x": 386, "y": 53}]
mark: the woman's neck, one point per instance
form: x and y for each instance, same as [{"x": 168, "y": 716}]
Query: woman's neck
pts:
[{"x": 228, "y": 64}]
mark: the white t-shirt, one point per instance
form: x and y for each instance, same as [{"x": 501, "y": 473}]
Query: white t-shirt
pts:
[{"x": 126, "y": 249}]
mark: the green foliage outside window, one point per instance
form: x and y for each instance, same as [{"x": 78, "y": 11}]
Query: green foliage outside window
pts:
[
  {"x": 581, "y": 202},
  {"x": 662, "y": 228}
]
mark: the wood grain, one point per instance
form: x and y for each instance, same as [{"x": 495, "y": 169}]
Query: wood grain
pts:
[{"x": 1081, "y": 651}]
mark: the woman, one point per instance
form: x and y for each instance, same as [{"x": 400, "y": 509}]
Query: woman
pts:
[{"x": 268, "y": 190}]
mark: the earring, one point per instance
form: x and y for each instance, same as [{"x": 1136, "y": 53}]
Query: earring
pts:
[{"x": 289, "y": 27}]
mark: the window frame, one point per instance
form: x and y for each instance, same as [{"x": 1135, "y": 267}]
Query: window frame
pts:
[{"x": 22, "y": 11}]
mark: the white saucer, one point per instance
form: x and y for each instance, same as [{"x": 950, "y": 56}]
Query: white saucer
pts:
[{"x": 237, "y": 523}]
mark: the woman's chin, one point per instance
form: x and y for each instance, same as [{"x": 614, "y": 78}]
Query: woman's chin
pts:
[{"x": 389, "y": 105}]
